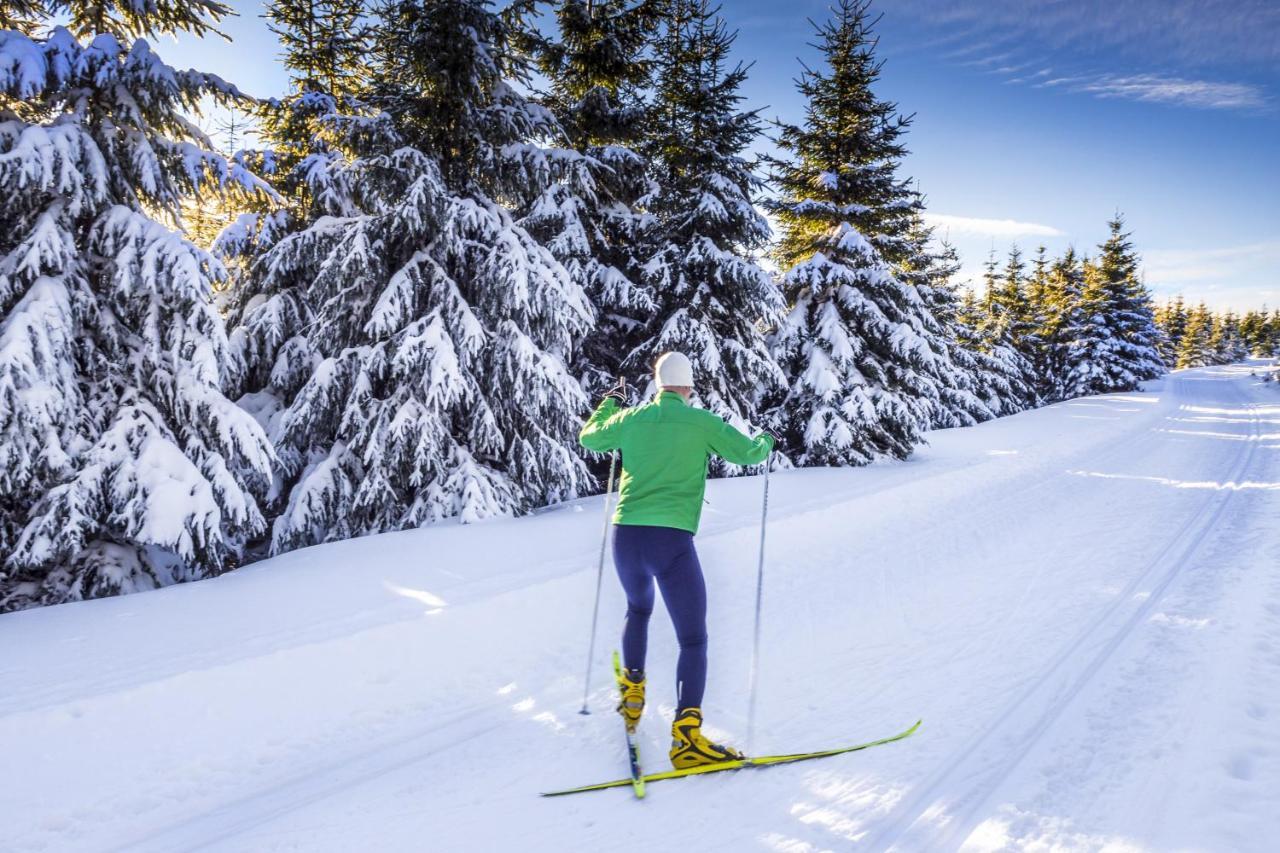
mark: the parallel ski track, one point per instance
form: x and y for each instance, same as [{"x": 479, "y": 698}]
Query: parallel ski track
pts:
[
  {"x": 1163, "y": 569},
  {"x": 319, "y": 782}
]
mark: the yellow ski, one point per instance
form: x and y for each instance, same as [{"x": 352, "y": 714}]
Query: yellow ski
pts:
[
  {"x": 633, "y": 748},
  {"x": 760, "y": 761}
]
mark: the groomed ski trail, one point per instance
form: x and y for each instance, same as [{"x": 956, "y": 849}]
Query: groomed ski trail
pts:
[{"x": 1028, "y": 719}]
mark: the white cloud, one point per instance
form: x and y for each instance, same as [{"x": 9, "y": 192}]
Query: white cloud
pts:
[
  {"x": 1176, "y": 90},
  {"x": 1202, "y": 33},
  {"x": 1104, "y": 46},
  {"x": 1236, "y": 277},
  {"x": 1175, "y": 266},
  {"x": 989, "y": 227}
]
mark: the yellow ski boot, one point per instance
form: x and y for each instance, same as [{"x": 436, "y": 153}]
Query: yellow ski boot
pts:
[
  {"x": 630, "y": 697},
  {"x": 690, "y": 749}
]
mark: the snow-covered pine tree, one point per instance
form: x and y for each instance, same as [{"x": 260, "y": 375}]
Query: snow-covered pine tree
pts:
[
  {"x": 1116, "y": 347},
  {"x": 310, "y": 132},
  {"x": 992, "y": 376},
  {"x": 1196, "y": 347},
  {"x": 588, "y": 215},
  {"x": 1260, "y": 333},
  {"x": 122, "y": 465},
  {"x": 1021, "y": 323},
  {"x": 867, "y": 361},
  {"x": 1063, "y": 323},
  {"x": 1226, "y": 342},
  {"x": 1252, "y": 329},
  {"x": 443, "y": 326},
  {"x": 713, "y": 298},
  {"x": 1000, "y": 322},
  {"x": 212, "y": 208},
  {"x": 1172, "y": 322},
  {"x": 1013, "y": 310},
  {"x": 1002, "y": 376},
  {"x": 310, "y": 138},
  {"x": 1036, "y": 293}
]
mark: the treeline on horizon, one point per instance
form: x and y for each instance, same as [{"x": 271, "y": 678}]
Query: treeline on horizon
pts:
[
  {"x": 431, "y": 266},
  {"x": 1035, "y": 307}
]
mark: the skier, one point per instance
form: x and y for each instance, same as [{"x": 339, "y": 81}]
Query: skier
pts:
[{"x": 665, "y": 445}]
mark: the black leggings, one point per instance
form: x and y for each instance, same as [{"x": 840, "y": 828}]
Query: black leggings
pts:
[{"x": 641, "y": 555}]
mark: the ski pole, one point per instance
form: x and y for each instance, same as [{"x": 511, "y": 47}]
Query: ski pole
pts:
[
  {"x": 595, "y": 613},
  {"x": 755, "y": 647}
]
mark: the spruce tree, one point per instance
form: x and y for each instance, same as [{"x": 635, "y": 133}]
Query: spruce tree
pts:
[
  {"x": 1252, "y": 330},
  {"x": 1064, "y": 322},
  {"x": 1226, "y": 342},
  {"x": 1260, "y": 331},
  {"x": 988, "y": 381},
  {"x": 1017, "y": 315},
  {"x": 588, "y": 215},
  {"x": 1003, "y": 327},
  {"x": 312, "y": 139},
  {"x": 1041, "y": 311},
  {"x": 122, "y": 464},
  {"x": 929, "y": 272},
  {"x": 867, "y": 361},
  {"x": 1172, "y": 321},
  {"x": 1116, "y": 348},
  {"x": 713, "y": 299},
  {"x": 439, "y": 328},
  {"x": 1196, "y": 348}
]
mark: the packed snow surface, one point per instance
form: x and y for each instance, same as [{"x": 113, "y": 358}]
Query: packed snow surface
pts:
[{"x": 1082, "y": 602}]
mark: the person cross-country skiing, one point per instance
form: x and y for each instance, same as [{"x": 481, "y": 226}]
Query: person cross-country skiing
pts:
[{"x": 665, "y": 446}]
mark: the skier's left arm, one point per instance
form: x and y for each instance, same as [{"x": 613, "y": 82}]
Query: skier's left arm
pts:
[{"x": 603, "y": 430}]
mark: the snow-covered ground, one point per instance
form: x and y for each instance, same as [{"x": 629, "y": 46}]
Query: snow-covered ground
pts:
[{"x": 1082, "y": 602}]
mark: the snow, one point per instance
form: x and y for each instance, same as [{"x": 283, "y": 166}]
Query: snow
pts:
[
  {"x": 23, "y": 66},
  {"x": 1082, "y": 602}
]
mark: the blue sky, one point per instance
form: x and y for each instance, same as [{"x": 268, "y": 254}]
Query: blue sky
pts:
[{"x": 1035, "y": 120}]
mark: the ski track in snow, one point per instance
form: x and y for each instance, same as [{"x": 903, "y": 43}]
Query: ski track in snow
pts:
[
  {"x": 1082, "y": 602},
  {"x": 1028, "y": 719}
]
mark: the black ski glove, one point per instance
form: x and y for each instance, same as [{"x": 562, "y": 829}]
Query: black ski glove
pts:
[{"x": 618, "y": 391}]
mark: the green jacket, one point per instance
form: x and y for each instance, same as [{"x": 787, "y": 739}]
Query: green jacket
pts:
[{"x": 665, "y": 445}]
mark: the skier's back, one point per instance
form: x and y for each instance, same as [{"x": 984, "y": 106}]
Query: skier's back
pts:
[{"x": 665, "y": 447}]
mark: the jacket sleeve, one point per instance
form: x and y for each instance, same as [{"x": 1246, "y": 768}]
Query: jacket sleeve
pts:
[
  {"x": 732, "y": 446},
  {"x": 603, "y": 430}
]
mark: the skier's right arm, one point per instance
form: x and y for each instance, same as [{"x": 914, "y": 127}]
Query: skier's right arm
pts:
[
  {"x": 736, "y": 448},
  {"x": 603, "y": 430}
]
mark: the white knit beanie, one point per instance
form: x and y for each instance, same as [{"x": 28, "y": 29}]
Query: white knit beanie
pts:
[{"x": 673, "y": 370}]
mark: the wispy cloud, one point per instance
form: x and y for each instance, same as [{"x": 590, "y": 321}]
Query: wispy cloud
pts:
[
  {"x": 1043, "y": 72},
  {"x": 1200, "y": 32},
  {"x": 1169, "y": 268},
  {"x": 1155, "y": 88},
  {"x": 990, "y": 227},
  {"x": 1186, "y": 53}
]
